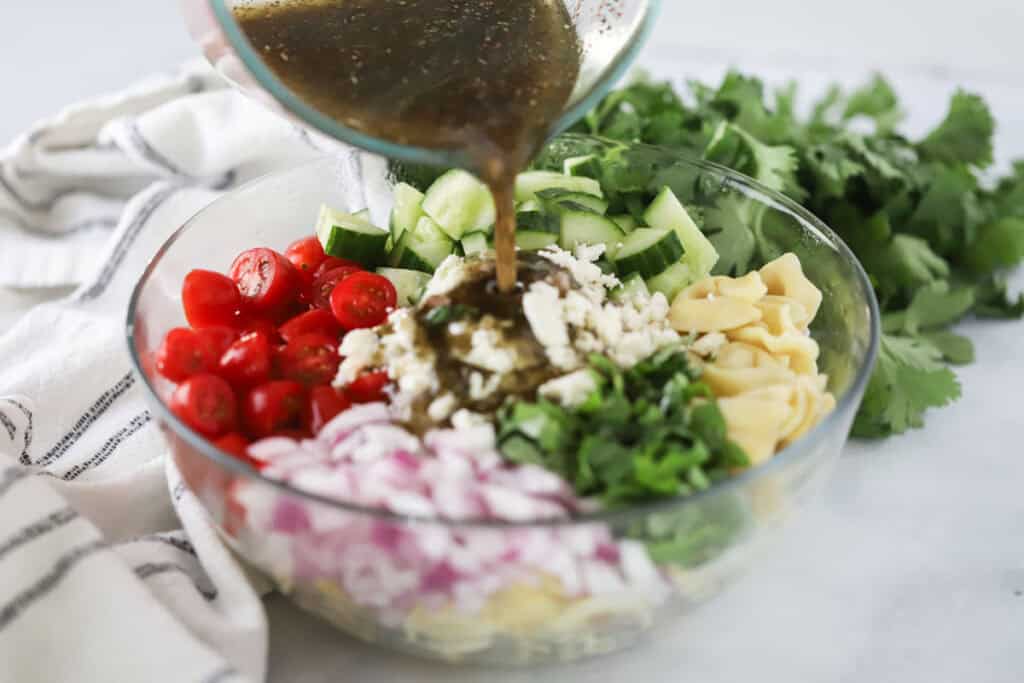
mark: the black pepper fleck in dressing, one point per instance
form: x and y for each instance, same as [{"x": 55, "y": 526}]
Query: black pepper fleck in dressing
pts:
[{"x": 485, "y": 76}]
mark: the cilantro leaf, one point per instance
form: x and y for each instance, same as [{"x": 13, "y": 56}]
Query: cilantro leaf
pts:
[
  {"x": 908, "y": 380},
  {"x": 999, "y": 245},
  {"x": 877, "y": 101},
  {"x": 965, "y": 135}
]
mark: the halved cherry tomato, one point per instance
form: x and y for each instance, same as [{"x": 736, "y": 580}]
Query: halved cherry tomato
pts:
[
  {"x": 306, "y": 255},
  {"x": 238, "y": 446},
  {"x": 368, "y": 387},
  {"x": 309, "y": 358},
  {"x": 217, "y": 339},
  {"x": 183, "y": 354},
  {"x": 272, "y": 407},
  {"x": 266, "y": 280},
  {"x": 326, "y": 283},
  {"x": 248, "y": 361},
  {"x": 325, "y": 403},
  {"x": 332, "y": 262},
  {"x": 207, "y": 404},
  {"x": 210, "y": 299},
  {"x": 264, "y": 326},
  {"x": 317, "y": 320},
  {"x": 363, "y": 300}
]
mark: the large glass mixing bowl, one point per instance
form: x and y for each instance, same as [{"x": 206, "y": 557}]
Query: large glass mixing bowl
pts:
[
  {"x": 611, "y": 33},
  {"x": 370, "y": 572}
]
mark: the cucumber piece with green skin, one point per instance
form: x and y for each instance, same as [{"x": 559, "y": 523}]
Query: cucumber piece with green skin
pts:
[
  {"x": 557, "y": 196},
  {"x": 672, "y": 280},
  {"x": 580, "y": 225},
  {"x": 407, "y": 211},
  {"x": 648, "y": 251},
  {"x": 534, "y": 241},
  {"x": 529, "y": 205},
  {"x": 537, "y": 221},
  {"x": 667, "y": 212},
  {"x": 475, "y": 243},
  {"x": 626, "y": 222},
  {"x": 408, "y": 284},
  {"x": 581, "y": 166},
  {"x": 530, "y": 183},
  {"x": 364, "y": 214},
  {"x": 347, "y": 236},
  {"x": 633, "y": 285},
  {"x": 459, "y": 203},
  {"x": 422, "y": 248}
]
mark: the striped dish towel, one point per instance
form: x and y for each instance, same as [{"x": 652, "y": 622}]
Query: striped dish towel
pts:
[{"x": 103, "y": 576}]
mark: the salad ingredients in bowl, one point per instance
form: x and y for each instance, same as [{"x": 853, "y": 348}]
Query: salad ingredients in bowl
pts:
[{"x": 504, "y": 477}]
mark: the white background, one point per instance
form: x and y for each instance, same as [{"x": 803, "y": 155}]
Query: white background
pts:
[{"x": 911, "y": 567}]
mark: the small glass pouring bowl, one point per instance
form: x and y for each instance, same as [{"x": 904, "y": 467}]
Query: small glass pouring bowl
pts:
[{"x": 611, "y": 33}]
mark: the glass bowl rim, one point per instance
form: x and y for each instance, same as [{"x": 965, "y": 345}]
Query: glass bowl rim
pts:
[
  {"x": 776, "y": 462},
  {"x": 309, "y": 116}
]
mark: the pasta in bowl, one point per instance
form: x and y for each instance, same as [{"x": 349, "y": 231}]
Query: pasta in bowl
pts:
[{"x": 453, "y": 539}]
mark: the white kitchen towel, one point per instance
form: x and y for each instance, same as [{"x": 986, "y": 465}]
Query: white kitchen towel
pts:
[{"x": 103, "y": 576}]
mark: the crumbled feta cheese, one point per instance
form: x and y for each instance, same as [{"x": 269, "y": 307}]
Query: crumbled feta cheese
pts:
[
  {"x": 358, "y": 350},
  {"x": 487, "y": 353},
  {"x": 569, "y": 390},
  {"x": 480, "y": 388},
  {"x": 467, "y": 419},
  {"x": 441, "y": 407},
  {"x": 543, "y": 309},
  {"x": 593, "y": 281},
  {"x": 447, "y": 277}
]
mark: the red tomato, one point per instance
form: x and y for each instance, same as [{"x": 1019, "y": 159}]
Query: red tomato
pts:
[
  {"x": 248, "y": 361},
  {"x": 266, "y": 280},
  {"x": 272, "y": 407},
  {"x": 264, "y": 326},
  {"x": 306, "y": 255},
  {"x": 325, "y": 403},
  {"x": 309, "y": 358},
  {"x": 209, "y": 299},
  {"x": 217, "y": 339},
  {"x": 332, "y": 262},
  {"x": 319, "y": 321},
  {"x": 368, "y": 387},
  {"x": 238, "y": 446},
  {"x": 363, "y": 300},
  {"x": 326, "y": 283},
  {"x": 182, "y": 354},
  {"x": 206, "y": 404}
]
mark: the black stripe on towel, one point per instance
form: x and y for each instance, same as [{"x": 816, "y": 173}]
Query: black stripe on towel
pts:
[
  {"x": 12, "y": 431},
  {"x": 46, "y": 583},
  {"x": 23, "y": 458},
  {"x": 111, "y": 444},
  {"x": 182, "y": 544},
  {"x": 11, "y": 476},
  {"x": 88, "y": 418},
  {"x": 44, "y": 526},
  {"x": 131, "y": 232},
  {"x": 144, "y": 571}
]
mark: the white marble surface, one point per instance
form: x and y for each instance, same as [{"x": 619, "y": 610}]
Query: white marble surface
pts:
[{"x": 911, "y": 566}]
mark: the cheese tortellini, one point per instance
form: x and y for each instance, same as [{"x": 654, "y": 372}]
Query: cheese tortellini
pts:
[{"x": 757, "y": 355}]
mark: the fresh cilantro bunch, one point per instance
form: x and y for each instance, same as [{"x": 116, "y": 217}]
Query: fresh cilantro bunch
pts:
[
  {"x": 933, "y": 237},
  {"x": 653, "y": 431}
]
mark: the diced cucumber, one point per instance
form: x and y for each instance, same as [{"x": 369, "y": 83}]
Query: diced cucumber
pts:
[
  {"x": 422, "y": 248},
  {"x": 648, "y": 251},
  {"x": 529, "y": 205},
  {"x": 408, "y": 284},
  {"x": 532, "y": 241},
  {"x": 631, "y": 286},
  {"x": 347, "y": 236},
  {"x": 530, "y": 183},
  {"x": 557, "y": 196},
  {"x": 364, "y": 214},
  {"x": 474, "y": 243},
  {"x": 459, "y": 203},
  {"x": 537, "y": 221},
  {"x": 626, "y": 222},
  {"x": 579, "y": 225},
  {"x": 584, "y": 166},
  {"x": 672, "y": 280},
  {"x": 667, "y": 212},
  {"x": 407, "y": 211}
]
